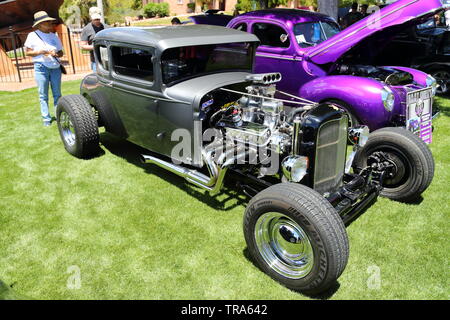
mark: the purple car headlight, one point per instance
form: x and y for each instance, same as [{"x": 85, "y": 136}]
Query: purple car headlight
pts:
[{"x": 388, "y": 98}]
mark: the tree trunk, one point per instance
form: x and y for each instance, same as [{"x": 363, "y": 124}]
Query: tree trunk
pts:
[{"x": 329, "y": 7}]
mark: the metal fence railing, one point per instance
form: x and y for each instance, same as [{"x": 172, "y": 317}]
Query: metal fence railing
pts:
[{"x": 15, "y": 66}]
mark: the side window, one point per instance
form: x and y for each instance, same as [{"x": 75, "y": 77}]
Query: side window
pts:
[
  {"x": 102, "y": 56},
  {"x": 271, "y": 35},
  {"x": 133, "y": 62},
  {"x": 241, "y": 27}
]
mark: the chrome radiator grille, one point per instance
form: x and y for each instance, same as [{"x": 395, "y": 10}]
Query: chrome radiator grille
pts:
[{"x": 330, "y": 155}]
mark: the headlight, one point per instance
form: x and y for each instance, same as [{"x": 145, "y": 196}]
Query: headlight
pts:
[
  {"x": 388, "y": 98},
  {"x": 358, "y": 135},
  {"x": 295, "y": 167},
  {"x": 431, "y": 82}
]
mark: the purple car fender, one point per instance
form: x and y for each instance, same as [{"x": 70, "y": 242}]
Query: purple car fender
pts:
[{"x": 365, "y": 101}]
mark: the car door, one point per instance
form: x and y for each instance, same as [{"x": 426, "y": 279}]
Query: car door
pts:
[{"x": 135, "y": 95}]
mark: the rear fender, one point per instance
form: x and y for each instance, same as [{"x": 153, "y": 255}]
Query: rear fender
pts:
[{"x": 88, "y": 85}]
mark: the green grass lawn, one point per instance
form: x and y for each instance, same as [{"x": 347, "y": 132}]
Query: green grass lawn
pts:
[{"x": 137, "y": 232}]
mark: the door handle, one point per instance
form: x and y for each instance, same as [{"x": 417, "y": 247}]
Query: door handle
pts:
[
  {"x": 160, "y": 136},
  {"x": 106, "y": 83}
]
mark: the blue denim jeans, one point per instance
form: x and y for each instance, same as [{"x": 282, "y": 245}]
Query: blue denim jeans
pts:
[{"x": 45, "y": 76}]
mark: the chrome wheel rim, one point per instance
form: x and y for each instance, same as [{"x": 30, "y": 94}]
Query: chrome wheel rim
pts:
[
  {"x": 284, "y": 245},
  {"x": 67, "y": 128}
]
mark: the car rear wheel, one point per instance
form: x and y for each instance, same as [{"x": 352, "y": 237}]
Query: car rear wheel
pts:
[
  {"x": 77, "y": 126},
  {"x": 412, "y": 159},
  {"x": 296, "y": 237}
]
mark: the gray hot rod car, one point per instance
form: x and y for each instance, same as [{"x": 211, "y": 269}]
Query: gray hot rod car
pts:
[{"x": 187, "y": 94}]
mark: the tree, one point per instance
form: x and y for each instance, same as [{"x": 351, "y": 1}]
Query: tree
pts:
[
  {"x": 249, "y": 5},
  {"x": 272, "y": 3},
  {"x": 67, "y": 11},
  {"x": 329, "y": 7},
  {"x": 136, "y": 4}
]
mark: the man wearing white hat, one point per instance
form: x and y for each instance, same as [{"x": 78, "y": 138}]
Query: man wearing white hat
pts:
[
  {"x": 88, "y": 34},
  {"x": 45, "y": 48}
]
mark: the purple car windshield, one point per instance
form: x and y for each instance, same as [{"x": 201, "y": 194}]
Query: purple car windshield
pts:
[
  {"x": 312, "y": 33},
  {"x": 182, "y": 63}
]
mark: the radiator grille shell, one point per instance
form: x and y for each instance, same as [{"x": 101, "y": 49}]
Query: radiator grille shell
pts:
[{"x": 331, "y": 152}]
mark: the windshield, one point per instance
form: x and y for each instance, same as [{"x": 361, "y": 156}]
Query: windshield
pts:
[
  {"x": 312, "y": 33},
  {"x": 188, "y": 62}
]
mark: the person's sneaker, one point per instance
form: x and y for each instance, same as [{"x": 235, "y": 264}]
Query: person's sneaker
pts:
[{"x": 47, "y": 123}]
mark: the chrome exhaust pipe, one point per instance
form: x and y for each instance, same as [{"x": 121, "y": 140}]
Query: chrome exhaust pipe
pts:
[
  {"x": 193, "y": 176},
  {"x": 214, "y": 182}
]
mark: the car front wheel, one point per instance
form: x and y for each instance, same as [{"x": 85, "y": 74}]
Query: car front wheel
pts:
[
  {"x": 412, "y": 159},
  {"x": 296, "y": 237}
]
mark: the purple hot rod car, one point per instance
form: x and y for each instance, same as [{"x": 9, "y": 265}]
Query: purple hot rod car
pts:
[{"x": 323, "y": 64}]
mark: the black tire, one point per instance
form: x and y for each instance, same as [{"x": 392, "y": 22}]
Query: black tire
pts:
[
  {"x": 78, "y": 126},
  {"x": 320, "y": 222},
  {"x": 413, "y": 158}
]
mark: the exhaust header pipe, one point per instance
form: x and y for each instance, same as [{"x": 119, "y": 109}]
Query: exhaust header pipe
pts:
[{"x": 213, "y": 183}]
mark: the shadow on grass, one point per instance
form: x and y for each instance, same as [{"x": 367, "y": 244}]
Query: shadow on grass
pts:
[
  {"x": 131, "y": 153},
  {"x": 444, "y": 109},
  {"x": 7, "y": 293},
  {"x": 322, "y": 296},
  {"x": 415, "y": 202}
]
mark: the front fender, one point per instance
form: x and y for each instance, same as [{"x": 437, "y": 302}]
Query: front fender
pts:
[
  {"x": 87, "y": 85},
  {"x": 362, "y": 95}
]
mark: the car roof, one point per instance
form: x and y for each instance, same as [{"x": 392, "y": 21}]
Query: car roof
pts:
[
  {"x": 292, "y": 15},
  {"x": 175, "y": 36}
]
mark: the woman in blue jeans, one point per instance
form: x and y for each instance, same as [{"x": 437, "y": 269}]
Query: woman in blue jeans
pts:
[{"x": 45, "y": 48}]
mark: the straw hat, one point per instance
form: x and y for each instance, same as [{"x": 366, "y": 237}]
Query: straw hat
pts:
[{"x": 41, "y": 16}]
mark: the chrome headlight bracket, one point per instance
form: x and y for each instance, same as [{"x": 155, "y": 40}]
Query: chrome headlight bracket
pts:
[
  {"x": 295, "y": 167},
  {"x": 358, "y": 135},
  {"x": 432, "y": 82}
]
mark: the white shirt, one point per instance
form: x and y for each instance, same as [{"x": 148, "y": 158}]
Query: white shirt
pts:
[{"x": 50, "y": 41}]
